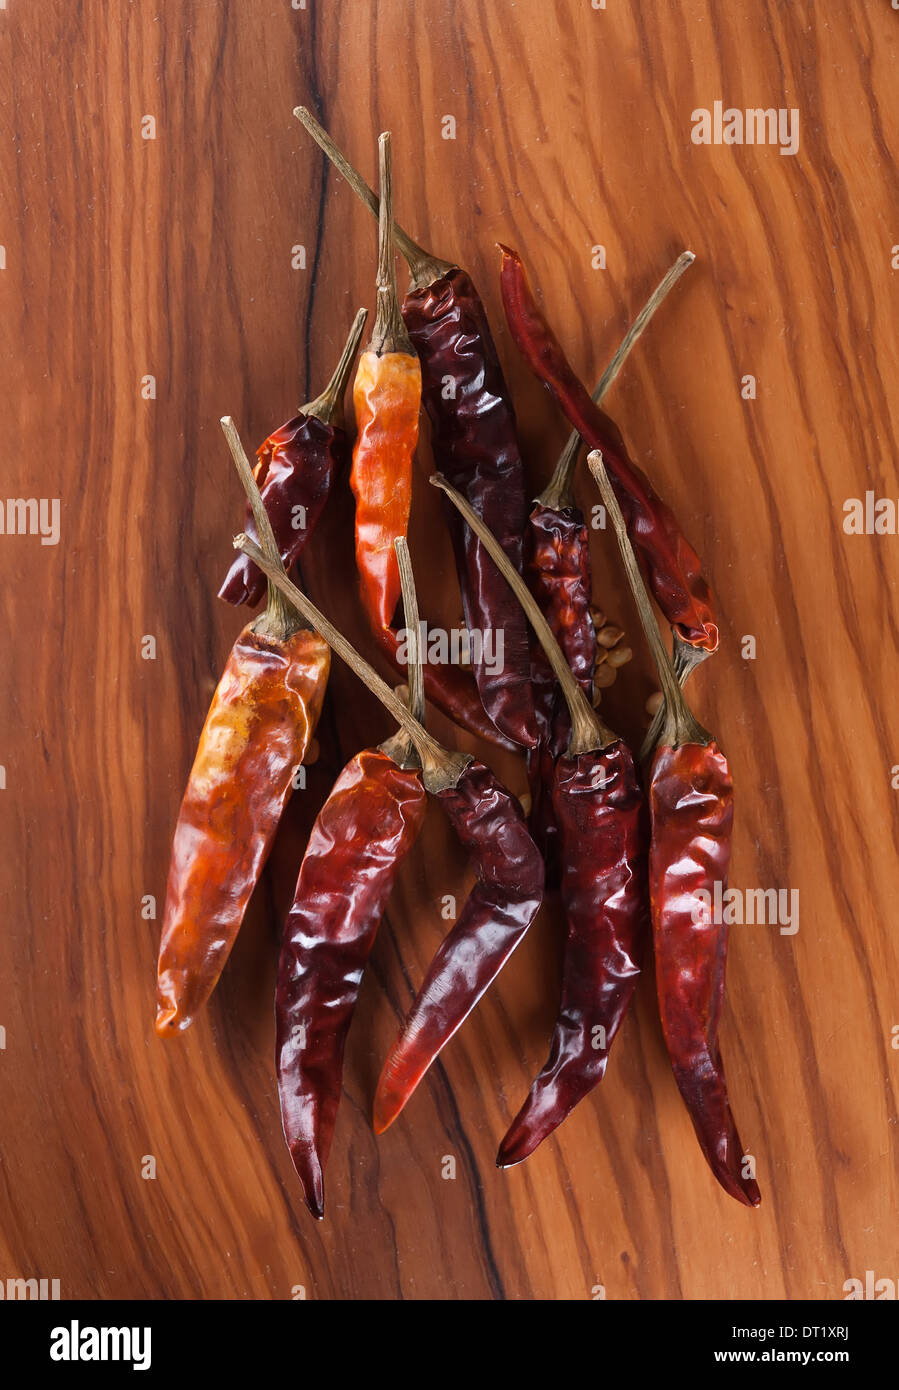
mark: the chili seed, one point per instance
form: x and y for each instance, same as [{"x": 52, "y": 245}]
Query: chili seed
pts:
[
  {"x": 610, "y": 635},
  {"x": 620, "y": 656},
  {"x": 654, "y": 703}
]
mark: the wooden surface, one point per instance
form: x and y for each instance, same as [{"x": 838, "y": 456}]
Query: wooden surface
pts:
[{"x": 172, "y": 257}]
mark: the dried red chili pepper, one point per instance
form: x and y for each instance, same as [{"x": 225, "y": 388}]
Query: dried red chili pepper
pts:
[
  {"x": 671, "y": 565},
  {"x": 474, "y": 442},
  {"x": 361, "y": 835},
  {"x": 691, "y": 813},
  {"x": 557, "y": 568},
  {"x": 296, "y": 468},
  {"x": 500, "y": 908},
  {"x": 387, "y": 396},
  {"x": 601, "y": 817},
  {"x": 256, "y": 733}
]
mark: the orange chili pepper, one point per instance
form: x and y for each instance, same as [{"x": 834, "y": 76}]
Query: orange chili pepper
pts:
[
  {"x": 387, "y": 397},
  {"x": 262, "y": 716}
]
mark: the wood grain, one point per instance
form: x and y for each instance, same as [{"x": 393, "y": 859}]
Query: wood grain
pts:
[{"x": 172, "y": 257}]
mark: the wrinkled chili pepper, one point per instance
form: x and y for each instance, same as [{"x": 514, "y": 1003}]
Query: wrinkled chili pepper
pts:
[
  {"x": 256, "y": 733},
  {"x": 601, "y": 817},
  {"x": 671, "y": 565},
  {"x": 296, "y": 468},
  {"x": 361, "y": 835},
  {"x": 691, "y": 814},
  {"x": 474, "y": 441},
  {"x": 501, "y": 906},
  {"x": 387, "y": 396},
  {"x": 557, "y": 569}
]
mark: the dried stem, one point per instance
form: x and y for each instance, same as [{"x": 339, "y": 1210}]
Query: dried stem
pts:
[
  {"x": 389, "y": 333},
  {"x": 399, "y": 747},
  {"x": 279, "y": 620},
  {"x": 685, "y": 658},
  {"x": 328, "y": 407},
  {"x": 558, "y": 492},
  {"x": 587, "y": 729},
  {"x": 423, "y": 267},
  {"x": 679, "y": 725},
  {"x": 413, "y": 628},
  {"x": 440, "y": 768}
]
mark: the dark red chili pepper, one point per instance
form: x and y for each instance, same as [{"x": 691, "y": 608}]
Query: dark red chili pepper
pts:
[
  {"x": 557, "y": 569},
  {"x": 601, "y": 817},
  {"x": 474, "y": 441},
  {"x": 363, "y": 832},
  {"x": 500, "y": 908},
  {"x": 261, "y": 719},
  {"x": 297, "y": 465},
  {"x": 691, "y": 812},
  {"x": 672, "y": 566}
]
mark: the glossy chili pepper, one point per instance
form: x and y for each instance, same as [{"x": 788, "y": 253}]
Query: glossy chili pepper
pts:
[
  {"x": 601, "y": 817},
  {"x": 691, "y": 811},
  {"x": 671, "y": 565},
  {"x": 387, "y": 396},
  {"x": 258, "y": 728},
  {"x": 600, "y": 814},
  {"x": 363, "y": 832},
  {"x": 501, "y": 906},
  {"x": 297, "y": 466},
  {"x": 557, "y": 569},
  {"x": 474, "y": 441}
]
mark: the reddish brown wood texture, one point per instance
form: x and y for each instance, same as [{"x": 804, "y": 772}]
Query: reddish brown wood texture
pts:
[{"x": 172, "y": 257}]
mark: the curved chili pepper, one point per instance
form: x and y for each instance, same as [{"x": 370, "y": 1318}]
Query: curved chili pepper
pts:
[
  {"x": 262, "y": 716},
  {"x": 500, "y": 908},
  {"x": 691, "y": 805},
  {"x": 671, "y": 565},
  {"x": 600, "y": 813},
  {"x": 364, "y": 830},
  {"x": 691, "y": 812},
  {"x": 474, "y": 440},
  {"x": 557, "y": 569},
  {"x": 504, "y": 901},
  {"x": 297, "y": 465}
]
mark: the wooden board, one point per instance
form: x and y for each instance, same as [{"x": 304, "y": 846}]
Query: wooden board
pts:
[{"x": 127, "y": 257}]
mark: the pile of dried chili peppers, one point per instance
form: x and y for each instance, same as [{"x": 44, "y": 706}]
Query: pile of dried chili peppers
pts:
[{"x": 634, "y": 847}]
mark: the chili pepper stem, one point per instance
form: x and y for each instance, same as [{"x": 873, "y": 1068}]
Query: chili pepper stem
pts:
[
  {"x": 440, "y": 768},
  {"x": 400, "y": 747},
  {"x": 559, "y": 492},
  {"x": 279, "y": 618},
  {"x": 679, "y": 724},
  {"x": 587, "y": 730},
  {"x": 328, "y": 407},
  {"x": 424, "y": 268},
  {"x": 685, "y": 659},
  {"x": 389, "y": 334}
]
